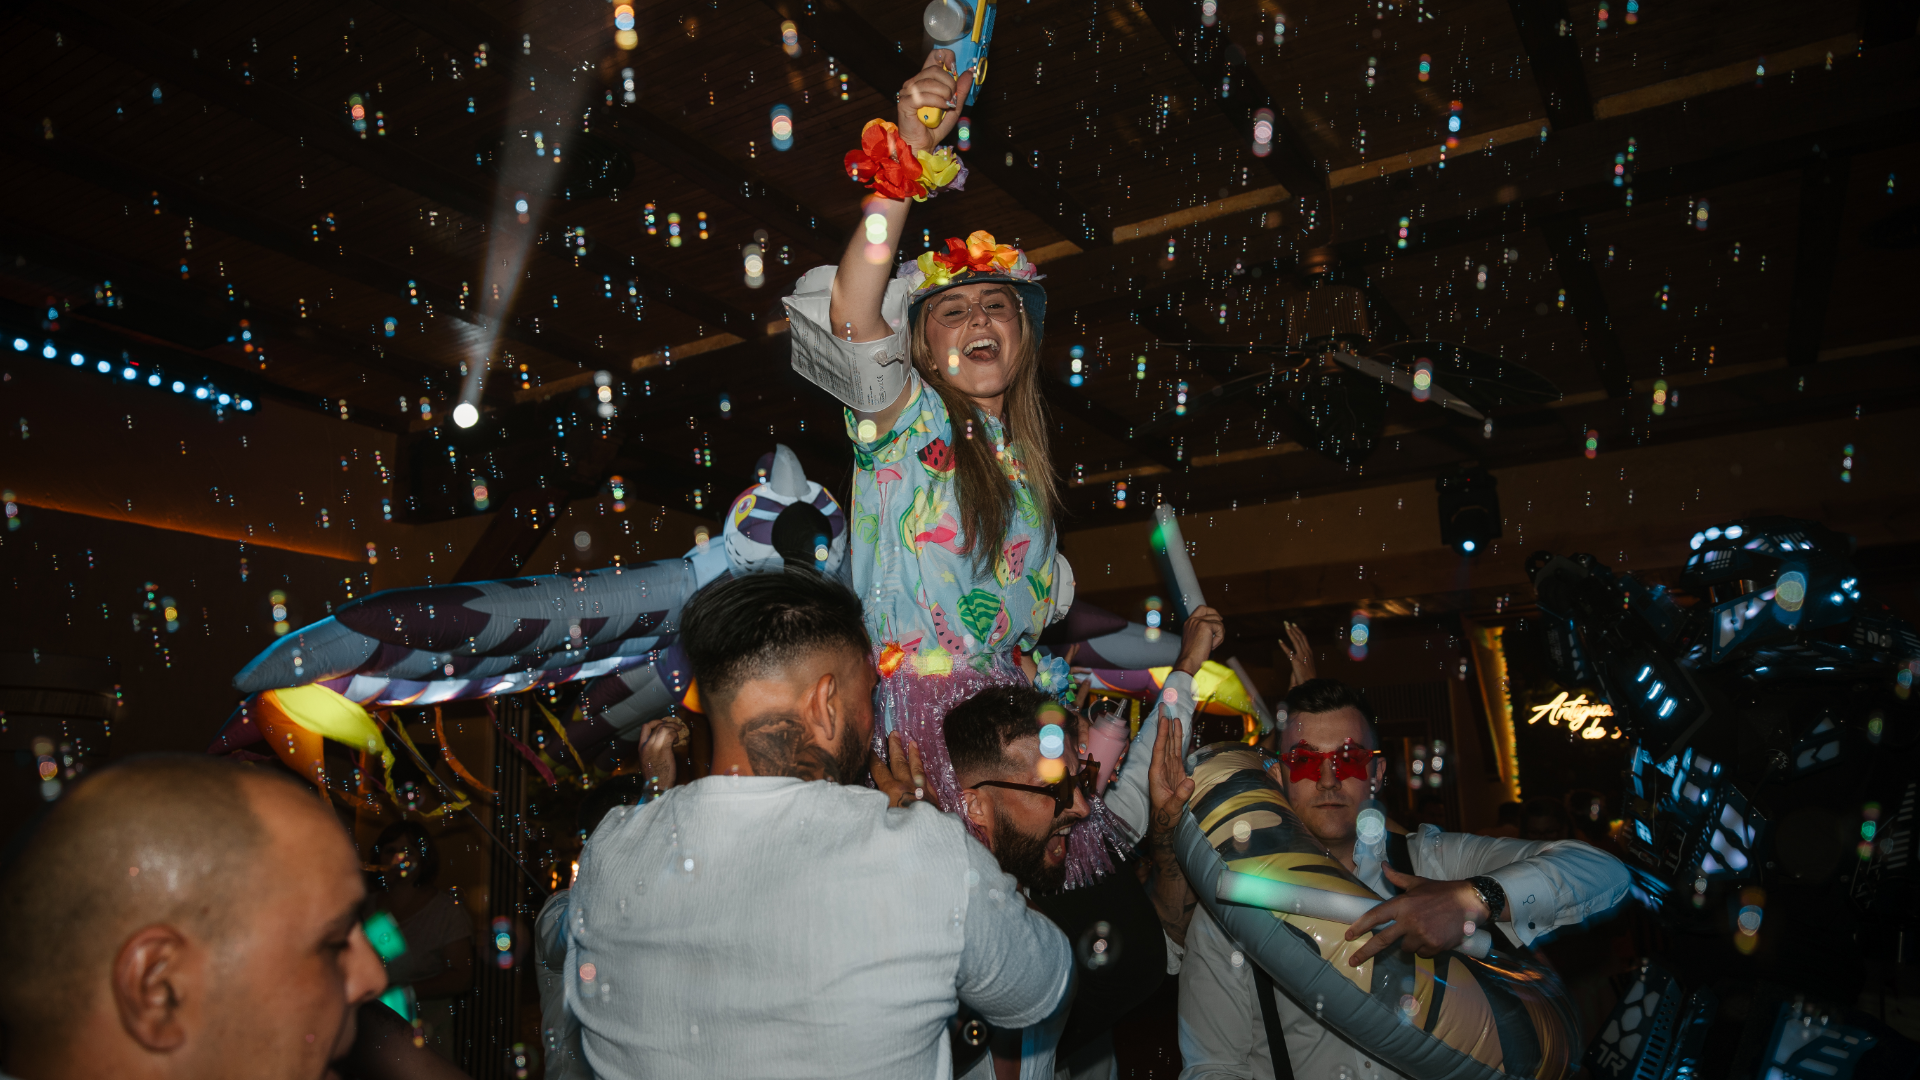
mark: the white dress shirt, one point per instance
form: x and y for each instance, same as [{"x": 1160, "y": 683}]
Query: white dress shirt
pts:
[
  {"x": 1221, "y": 1033},
  {"x": 772, "y": 927},
  {"x": 559, "y": 1031}
]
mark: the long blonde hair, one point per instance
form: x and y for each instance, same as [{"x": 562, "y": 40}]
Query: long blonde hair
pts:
[{"x": 985, "y": 495}]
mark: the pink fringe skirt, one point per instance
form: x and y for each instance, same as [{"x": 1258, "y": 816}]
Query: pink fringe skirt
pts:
[{"x": 917, "y": 706}]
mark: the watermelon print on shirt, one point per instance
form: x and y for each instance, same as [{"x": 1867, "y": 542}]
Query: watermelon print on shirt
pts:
[{"x": 925, "y": 606}]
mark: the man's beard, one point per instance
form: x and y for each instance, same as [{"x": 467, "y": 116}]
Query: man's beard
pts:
[
  {"x": 1025, "y": 857},
  {"x": 850, "y": 756}
]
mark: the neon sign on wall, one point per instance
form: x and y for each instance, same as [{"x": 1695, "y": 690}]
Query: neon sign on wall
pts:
[{"x": 1587, "y": 718}]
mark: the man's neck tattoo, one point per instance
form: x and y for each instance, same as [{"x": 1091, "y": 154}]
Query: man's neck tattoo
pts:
[{"x": 778, "y": 745}]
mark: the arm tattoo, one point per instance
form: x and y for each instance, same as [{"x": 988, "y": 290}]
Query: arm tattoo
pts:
[{"x": 778, "y": 745}]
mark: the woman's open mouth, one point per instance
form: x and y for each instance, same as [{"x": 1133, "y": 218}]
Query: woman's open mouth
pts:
[{"x": 983, "y": 350}]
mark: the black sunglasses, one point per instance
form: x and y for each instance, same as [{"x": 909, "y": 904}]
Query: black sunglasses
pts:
[{"x": 1061, "y": 790}]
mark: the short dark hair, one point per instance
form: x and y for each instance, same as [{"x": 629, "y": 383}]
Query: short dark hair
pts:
[
  {"x": 979, "y": 729},
  {"x": 741, "y": 628},
  {"x": 1331, "y": 695}
]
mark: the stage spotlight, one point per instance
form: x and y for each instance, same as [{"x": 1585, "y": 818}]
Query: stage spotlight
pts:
[
  {"x": 1469, "y": 508},
  {"x": 465, "y": 415}
]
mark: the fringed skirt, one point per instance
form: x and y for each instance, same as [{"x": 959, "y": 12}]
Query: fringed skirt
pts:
[{"x": 917, "y": 705}]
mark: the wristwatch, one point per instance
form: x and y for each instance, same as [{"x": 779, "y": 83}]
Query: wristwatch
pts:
[{"x": 1491, "y": 894}]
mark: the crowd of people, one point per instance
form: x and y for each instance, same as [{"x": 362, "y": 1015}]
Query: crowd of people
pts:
[
  {"x": 901, "y": 861},
  {"x": 804, "y": 910}
]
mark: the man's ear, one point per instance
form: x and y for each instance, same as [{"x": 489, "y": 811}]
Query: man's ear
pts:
[
  {"x": 822, "y": 710},
  {"x": 153, "y": 976},
  {"x": 978, "y": 809}
]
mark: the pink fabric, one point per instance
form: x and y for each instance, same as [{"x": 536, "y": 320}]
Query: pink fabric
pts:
[{"x": 917, "y": 707}]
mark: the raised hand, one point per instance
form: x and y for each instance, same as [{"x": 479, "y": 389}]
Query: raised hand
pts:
[
  {"x": 1168, "y": 789},
  {"x": 934, "y": 86},
  {"x": 1203, "y": 632},
  {"x": 1299, "y": 654},
  {"x": 658, "y": 739}
]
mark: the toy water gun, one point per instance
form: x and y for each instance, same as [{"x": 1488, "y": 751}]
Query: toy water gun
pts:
[{"x": 966, "y": 29}]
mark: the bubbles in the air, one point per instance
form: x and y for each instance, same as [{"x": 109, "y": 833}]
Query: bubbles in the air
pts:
[{"x": 1098, "y": 947}]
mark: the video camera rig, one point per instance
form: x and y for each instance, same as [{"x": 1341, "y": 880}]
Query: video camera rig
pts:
[{"x": 1765, "y": 705}]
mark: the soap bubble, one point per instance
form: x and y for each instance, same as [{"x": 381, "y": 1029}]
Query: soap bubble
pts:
[{"x": 1098, "y": 947}]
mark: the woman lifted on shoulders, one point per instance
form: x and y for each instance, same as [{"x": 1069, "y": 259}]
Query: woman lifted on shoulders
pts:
[{"x": 954, "y": 493}]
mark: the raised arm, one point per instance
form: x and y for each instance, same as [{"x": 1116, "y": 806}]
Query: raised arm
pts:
[
  {"x": 1128, "y": 797},
  {"x": 872, "y": 379},
  {"x": 862, "y": 277}
]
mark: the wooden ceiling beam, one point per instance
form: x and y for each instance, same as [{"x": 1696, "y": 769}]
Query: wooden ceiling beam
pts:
[
  {"x": 1683, "y": 148},
  {"x": 1587, "y": 299},
  {"x": 1214, "y": 61},
  {"x": 104, "y": 341},
  {"x": 1823, "y": 205},
  {"x": 636, "y": 128},
  {"x": 159, "y": 304},
  {"x": 288, "y": 240},
  {"x": 116, "y": 29},
  {"x": 866, "y": 52},
  {"x": 1546, "y": 33},
  {"x": 1686, "y": 147}
]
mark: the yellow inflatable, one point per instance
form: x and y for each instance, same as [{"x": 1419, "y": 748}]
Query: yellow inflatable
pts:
[{"x": 1268, "y": 883}]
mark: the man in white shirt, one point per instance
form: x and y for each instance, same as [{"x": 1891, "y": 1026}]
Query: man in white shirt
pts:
[
  {"x": 762, "y": 923},
  {"x": 1330, "y": 766}
]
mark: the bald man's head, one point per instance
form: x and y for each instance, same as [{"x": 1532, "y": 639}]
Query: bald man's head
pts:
[
  {"x": 157, "y": 839},
  {"x": 140, "y": 905}
]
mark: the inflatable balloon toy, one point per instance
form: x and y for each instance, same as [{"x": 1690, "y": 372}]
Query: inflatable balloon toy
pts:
[
  {"x": 1470, "y": 1014},
  {"x": 615, "y": 628}
]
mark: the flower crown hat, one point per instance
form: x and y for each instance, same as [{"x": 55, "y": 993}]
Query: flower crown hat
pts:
[{"x": 976, "y": 260}]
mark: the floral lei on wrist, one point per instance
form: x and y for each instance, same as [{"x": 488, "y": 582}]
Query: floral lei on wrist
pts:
[{"x": 893, "y": 170}]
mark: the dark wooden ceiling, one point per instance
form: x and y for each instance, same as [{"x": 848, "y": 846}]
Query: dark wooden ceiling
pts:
[{"x": 133, "y": 131}]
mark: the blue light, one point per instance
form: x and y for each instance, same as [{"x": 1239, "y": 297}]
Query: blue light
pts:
[
  {"x": 1453, "y": 123},
  {"x": 1836, "y": 598},
  {"x": 1467, "y": 546},
  {"x": 153, "y": 380},
  {"x": 1666, "y": 709},
  {"x": 19, "y": 344},
  {"x": 1734, "y": 531},
  {"x": 49, "y": 351},
  {"x": 103, "y": 367},
  {"x": 179, "y": 387},
  {"x": 246, "y": 404},
  {"x": 224, "y": 399},
  {"x": 1075, "y": 379},
  {"x": 200, "y": 392},
  {"x": 1655, "y": 691},
  {"x": 1644, "y": 672},
  {"x": 129, "y": 374},
  {"x": 1646, "y": 834}
]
